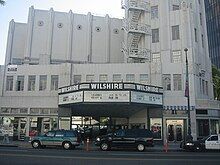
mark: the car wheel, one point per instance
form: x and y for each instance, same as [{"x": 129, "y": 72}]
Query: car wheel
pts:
[
  {"x": 67, "y": 145},
  {"x": 36, "y": 144},
  {"x": 104, "y": 146},
  {"x": 140, "y": 147}
]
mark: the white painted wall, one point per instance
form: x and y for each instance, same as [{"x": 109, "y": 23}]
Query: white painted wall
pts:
[
  {"x": 60, "y": 36},
  {"x": 40, "y": 33},
  {"x": 86, "y": 44},
  {"x": 19, "y": 40}
]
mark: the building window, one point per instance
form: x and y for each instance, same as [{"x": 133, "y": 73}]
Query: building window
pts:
[
  {"x": 203, "y": 86},
  {"x": 43, "y": 82},
  {"x": 154, "y": 12},
  {"x": 200, "y": 16},
  {"x": 31, "y": 83},
  {"x": 90, "y": 78},
  {"x": 54, "y": 82},
  {"x": 176, "y": 57},
  {"x": 202, "y": 40},
  {"x": 155, "y": 35},
  {"x": 195, "y": 32},
  {"x": 9, "y": 83},
  {"x": 130, "y": 77},
  {"x": 166, "y": 78},
  {"x": 20, "y": 83},
  {"x": 117, "y": 78},
  {"x": 175, "y": 7},
  {"x": 215, "y": 126},
  {"x": 156, "y": 127},
  {"x": 200, "y": 85},
  {"x": 175, "y": 32},
  {"x": 103, "y": 77},
  {"x": 144, "y": 78},
  {"x": 156, "y": 57},
  {"x": 203, "y": 127},
  {"x": 177, "y": 82},
  {"x": 206, "y": 88},
  {"x": 77, "y": 79},
  {"x": 201, "y": 112}
]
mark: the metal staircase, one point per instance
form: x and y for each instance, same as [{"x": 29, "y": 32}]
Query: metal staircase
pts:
[{"x": 136, "y": 30}]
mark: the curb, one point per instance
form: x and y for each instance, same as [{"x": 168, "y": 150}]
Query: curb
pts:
[{"x": 8, "y": 145}]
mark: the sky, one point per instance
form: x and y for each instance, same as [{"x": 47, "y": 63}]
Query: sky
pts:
[{"x": 18, "y": 10}]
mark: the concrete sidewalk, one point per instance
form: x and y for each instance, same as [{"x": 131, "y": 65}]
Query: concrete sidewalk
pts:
[{"x": 172, "y": 147}]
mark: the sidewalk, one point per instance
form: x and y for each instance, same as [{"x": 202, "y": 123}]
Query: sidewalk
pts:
[{"x": 172, "y": 147}]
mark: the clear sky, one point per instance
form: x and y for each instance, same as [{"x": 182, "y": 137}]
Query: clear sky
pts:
[{"x": 18, "y": 10}]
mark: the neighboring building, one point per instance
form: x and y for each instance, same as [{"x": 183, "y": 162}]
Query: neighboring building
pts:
[
  {"x": 213, "y": 30},
  {"x": 111, "y": 73}
]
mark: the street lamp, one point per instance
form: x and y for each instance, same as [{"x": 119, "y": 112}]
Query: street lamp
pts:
[{"x": 189, "y": 136}]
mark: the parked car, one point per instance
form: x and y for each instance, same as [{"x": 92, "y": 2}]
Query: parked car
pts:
[
  {"x": 127, "y": 138},
  {"x": 211, "y": 142},
  {"x": 66, "y": 138}
]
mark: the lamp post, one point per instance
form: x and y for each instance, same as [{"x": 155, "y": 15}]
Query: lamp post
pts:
[{"x": 189, "y": 136}]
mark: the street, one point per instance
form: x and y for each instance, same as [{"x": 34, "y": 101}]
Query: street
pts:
[{"x": 56, "y": 156}]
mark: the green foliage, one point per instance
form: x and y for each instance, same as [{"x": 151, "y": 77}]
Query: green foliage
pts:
[
  {"x": 2, "y": 2},
  {"x": 216, "y": 81}
]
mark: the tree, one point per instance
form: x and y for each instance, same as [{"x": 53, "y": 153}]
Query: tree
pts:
[
  {"x": 2, "y": 2},
  {"x": 216, "y": 82}
]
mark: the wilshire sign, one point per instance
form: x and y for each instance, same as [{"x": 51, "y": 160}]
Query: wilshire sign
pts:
[
  {"x": 110, "y": 86},
  {"x": 110, "y": 93}
]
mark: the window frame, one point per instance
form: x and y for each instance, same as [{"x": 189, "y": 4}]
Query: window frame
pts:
[
  {"x": 154, "y": 12},
  {"x": 54, "y": 82},
  {"x": 175, "y": 32},
  {"x": 31, "y": 82},
  {"x": 9, "y": 83},
  {"x": 20, "y": 83},
  {"x": 43, "y": 82},
  {"x": 166, "y": 85},
  {"x": 177, "y": 82},
  {"x": 155, "y": 35}
]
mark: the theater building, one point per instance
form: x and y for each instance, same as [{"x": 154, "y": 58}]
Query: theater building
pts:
[{"x": 97, "y": 74}]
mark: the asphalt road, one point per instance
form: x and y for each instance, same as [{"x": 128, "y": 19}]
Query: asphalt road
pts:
[{"x": 58, "y": 156}]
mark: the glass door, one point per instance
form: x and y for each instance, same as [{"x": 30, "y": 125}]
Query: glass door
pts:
[{"x": 175, "y": 130}]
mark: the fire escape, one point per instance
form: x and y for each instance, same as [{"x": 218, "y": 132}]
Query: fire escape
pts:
[{"x": 137, "y": 32}]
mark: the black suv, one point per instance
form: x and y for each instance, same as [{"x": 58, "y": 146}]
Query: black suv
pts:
[
  {"x": 127, "y": 138},
  {"x": 66, "y": 138}
]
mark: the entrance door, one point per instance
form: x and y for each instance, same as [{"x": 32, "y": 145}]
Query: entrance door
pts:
[
  {"x": 175, "y": 130},
  {"x": 19, "y": 128}
]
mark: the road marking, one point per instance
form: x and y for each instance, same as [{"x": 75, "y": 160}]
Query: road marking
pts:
[
  {"x": 105, "y": 158},
  {"x": 166, "y": 154}
]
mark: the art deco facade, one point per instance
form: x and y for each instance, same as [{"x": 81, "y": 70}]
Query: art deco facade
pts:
[{"x": 112, "y": 73}]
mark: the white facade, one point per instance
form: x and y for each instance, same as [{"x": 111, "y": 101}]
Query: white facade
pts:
[{"x": 146, "y": 47}]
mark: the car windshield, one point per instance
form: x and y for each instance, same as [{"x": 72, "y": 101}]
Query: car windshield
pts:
[{"x": 205, "y": 138}]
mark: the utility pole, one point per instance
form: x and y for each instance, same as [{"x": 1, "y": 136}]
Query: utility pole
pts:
[{"x": 189, "y": 136}]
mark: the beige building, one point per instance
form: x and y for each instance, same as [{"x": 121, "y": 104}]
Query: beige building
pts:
[{"x": 112, "y": 73}]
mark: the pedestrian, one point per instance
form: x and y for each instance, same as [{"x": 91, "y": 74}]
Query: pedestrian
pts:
[{"x": 6, "y": 137}]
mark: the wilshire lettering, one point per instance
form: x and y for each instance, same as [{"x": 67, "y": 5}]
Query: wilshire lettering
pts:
[
  {"x": 108, "y": 86},
  {"x": 70, "y": 88}
]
